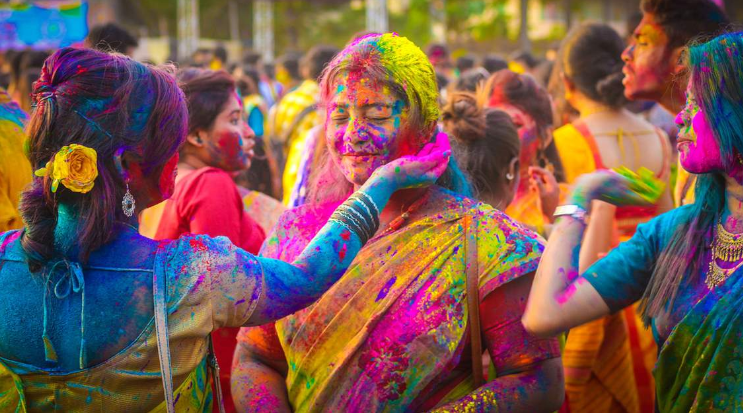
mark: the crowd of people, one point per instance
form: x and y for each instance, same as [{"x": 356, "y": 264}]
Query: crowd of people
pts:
[{"x": 378, "y": 227}]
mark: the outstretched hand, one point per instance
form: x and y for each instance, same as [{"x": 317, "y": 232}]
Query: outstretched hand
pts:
[
  {"x": 607, "y": 186},
  {"x": 418, "y": 170}
]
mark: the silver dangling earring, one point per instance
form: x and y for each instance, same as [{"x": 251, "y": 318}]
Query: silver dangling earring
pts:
[
  {"x": 128, "y": 203},
  {"x": 509, "y": 176}
]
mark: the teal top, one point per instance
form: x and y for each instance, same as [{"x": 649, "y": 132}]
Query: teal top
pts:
[{"x": 623, "y": 275}]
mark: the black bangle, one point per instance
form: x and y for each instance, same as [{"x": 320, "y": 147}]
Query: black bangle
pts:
[
  {"x": 349, "y": 228},
  {"x": 367, "y": 206},
  {"x": 353, "y": 227},
  {"x": 364, "y": 220}
]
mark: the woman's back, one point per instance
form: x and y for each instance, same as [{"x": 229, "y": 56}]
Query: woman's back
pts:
[
  {"x": 625, "y": 139},
  {"x": 118, "y": 298},
  {"x": 120, "y": 368}
]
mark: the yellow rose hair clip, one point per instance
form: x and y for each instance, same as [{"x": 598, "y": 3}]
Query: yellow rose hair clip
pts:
[
  {"x": 75, "y": 166},
  {"x": 643, "y": 183}
]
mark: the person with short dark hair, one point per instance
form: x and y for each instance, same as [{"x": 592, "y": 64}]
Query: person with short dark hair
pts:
[
  {"x": 219, "y": 58},
  {"x": 652, "y": 68},
  {"x": 471, "y": 79},
  {"x": 493, "y": 63},
  {"x": 287, "y": 71},
  {"x": 464, "y": 63},
  {"x": 111, "y": 37},
  {"x": 524, "y": 61}
]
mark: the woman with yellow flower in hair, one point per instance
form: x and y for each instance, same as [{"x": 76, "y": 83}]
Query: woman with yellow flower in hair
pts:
[{"x": 95, "y": 316}]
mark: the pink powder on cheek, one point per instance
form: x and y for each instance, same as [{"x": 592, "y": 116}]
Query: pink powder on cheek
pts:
[{"x": 702, "y": 156}]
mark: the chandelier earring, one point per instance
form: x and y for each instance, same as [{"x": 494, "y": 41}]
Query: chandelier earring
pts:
[{"x": 128, "y": 203}]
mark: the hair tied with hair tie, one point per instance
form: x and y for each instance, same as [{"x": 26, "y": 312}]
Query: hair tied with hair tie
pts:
[{"x": 75, "y": 166}]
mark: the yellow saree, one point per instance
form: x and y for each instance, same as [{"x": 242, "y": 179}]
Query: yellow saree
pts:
[{"x": 392, "y": 331}]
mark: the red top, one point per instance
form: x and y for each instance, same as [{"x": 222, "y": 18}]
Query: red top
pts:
[{"x": 206, "y": 201}]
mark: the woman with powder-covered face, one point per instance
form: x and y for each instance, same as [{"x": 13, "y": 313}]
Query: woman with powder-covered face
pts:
[
  {"x": 685, "y": 264},
  {"x": 97, "y": 317},
  {"x": 393, "y": 335},
  {"x": 530, "y": 109}
]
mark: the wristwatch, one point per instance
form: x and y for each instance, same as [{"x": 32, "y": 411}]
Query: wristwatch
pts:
[{"x": 573, "y": 211}]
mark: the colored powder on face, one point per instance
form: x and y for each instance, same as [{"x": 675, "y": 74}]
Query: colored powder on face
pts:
[{"x": 406, "y": 64}]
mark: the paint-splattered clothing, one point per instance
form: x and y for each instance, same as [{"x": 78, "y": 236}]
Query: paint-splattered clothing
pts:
[
  {"x": 15, "y": 169},
  {"x": 210, "y": 284},
  {"x": 699, "y": 337},
  {"x": 392, "y": 334},
  {"x": 207, "y": 201}
]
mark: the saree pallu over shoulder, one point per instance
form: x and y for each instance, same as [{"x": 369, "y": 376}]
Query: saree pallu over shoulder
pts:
[
  {"x": 700, "y": 367},
  {"x": 395, "y": 324}
]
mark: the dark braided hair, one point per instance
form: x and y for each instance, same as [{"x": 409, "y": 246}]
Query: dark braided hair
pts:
[{"x": 109, "y": 103}]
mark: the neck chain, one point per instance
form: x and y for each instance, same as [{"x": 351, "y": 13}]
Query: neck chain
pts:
[{"x": 726, "y": 247}]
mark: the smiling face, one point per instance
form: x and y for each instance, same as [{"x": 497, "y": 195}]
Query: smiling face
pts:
[
  {"x": 366, "y": 127},
  {"x": 230, "y": 141},
  {"x": 649, "y": 67},
  {"x": 699, "y": 151}
]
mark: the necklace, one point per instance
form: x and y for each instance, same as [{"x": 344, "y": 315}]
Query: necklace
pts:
[{"x": 726, "y": 247}]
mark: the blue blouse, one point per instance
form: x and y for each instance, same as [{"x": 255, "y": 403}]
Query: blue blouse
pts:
[{"x": 623, "y": 275}]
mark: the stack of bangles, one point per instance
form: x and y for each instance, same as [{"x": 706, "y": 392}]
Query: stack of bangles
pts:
[{"x": 359, "y": 214}]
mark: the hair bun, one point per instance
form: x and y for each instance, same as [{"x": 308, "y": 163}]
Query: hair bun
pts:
[
  {"x": 611, "y": 89},
  {"x": 463, "y": 118}
]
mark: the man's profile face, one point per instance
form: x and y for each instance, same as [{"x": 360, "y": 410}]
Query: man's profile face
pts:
[{"x": 649, "y": 67}]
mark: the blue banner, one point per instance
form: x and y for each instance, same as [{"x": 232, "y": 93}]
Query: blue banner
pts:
[{"x": 43, "y": 24}]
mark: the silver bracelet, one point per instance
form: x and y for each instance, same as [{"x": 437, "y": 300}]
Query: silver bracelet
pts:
[{"x": 366, "y": 204}]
